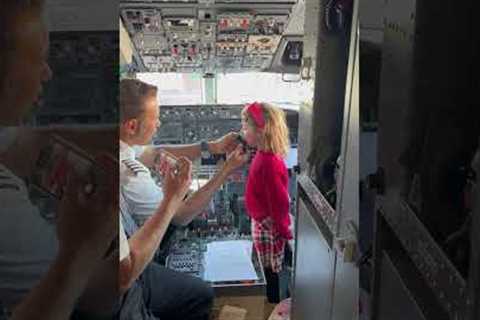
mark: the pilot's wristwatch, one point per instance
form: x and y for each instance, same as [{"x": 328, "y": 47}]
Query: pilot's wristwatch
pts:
[{"x": 204, "y": 150}]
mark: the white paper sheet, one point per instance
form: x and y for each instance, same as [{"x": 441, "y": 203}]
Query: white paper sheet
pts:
[{"x": 229, "y": 261}]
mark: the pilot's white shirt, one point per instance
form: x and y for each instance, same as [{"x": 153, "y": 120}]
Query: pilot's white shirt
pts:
[
  {"x": 139, "y": 189},
  {"x": 140, "y": 193},
  {"x": 28, "y": 243}
]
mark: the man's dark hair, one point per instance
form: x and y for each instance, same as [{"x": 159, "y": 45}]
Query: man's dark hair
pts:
[
  {"x": 133, "y": 94},
  {"x": 10, "y": 10}
]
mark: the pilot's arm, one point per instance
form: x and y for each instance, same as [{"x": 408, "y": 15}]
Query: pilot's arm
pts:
[
  {"x": 138, "y": 251},
  {"x": 195, "y": 204},
  {"x": 225, "y": 144},
  {"x": 85, "y": 229}
]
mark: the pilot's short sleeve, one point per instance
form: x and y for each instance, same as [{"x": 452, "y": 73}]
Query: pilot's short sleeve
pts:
[
  {"x": 143, "y": 196},
  {"x": 124, "y": 247}
]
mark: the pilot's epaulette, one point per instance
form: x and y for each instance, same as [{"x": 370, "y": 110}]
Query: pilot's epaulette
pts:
[{"x": 134, "y": 166}]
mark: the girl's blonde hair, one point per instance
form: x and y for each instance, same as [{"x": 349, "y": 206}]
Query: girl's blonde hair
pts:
[{"x": 275, "y": 133}]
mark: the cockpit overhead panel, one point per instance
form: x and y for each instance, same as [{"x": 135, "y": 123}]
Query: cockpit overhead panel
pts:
[{"x": 206, "y": 36}]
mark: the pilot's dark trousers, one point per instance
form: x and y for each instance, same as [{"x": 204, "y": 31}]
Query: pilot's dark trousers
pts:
[{"x": 171, "y": 295}]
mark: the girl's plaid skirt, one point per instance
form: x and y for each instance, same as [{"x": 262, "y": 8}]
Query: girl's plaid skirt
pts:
[{"x": 269, "y": 244}]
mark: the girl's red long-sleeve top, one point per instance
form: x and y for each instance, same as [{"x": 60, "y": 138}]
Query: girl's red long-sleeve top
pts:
[{"x": 266, "y": 193}]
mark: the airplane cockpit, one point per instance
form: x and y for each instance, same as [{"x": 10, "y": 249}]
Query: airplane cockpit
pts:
[
  {"x": 239, "y": 160},
  {"x": 209, "y": 59}
]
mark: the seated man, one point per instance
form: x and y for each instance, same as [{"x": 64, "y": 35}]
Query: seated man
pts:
[
  {"x": 21, "y": 266},
  {"x": 159, "y": 291},
  {"x": 43, "y": 269},
  {"x": 30, "y": 240}
]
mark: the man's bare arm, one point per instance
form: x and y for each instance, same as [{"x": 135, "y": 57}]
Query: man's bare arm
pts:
[
  {"x": 195, "y": 204},
  {"x": 145, "y": 242},
  {"x": 147, "y": 239},
  {"x": 192, "y": 152},
  {"x": 56, "y": 294},
  {"x": 85, "y": 230}
]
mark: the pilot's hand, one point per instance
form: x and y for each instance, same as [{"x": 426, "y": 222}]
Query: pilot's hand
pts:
[
  {"x": 177, "y": 184},
  {"x": 236, "y": 159},
  {"x": 225, "y": 144},
  {"x": 88, "y": 212},
  {"x": 165, "y": 162}
]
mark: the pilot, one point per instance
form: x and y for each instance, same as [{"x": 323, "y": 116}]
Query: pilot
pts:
[
  {"x": 158, "y": 291},
  {"x": 43, "y": 270}
]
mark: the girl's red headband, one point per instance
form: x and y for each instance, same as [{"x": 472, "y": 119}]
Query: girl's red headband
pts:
[{"x": 255, "y": 111}]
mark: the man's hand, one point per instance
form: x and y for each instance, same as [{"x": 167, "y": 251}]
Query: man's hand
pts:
[
  {"x": 165, "y": 161},
  {"x": 175, "y": 186},
  {"x": 225, "y": 144},
  {"x": 236, "y": 159},
  {"x": 87, "y": 218}
]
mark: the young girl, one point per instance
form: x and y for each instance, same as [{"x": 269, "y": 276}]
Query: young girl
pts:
[{"x": 266, "y": 195}]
